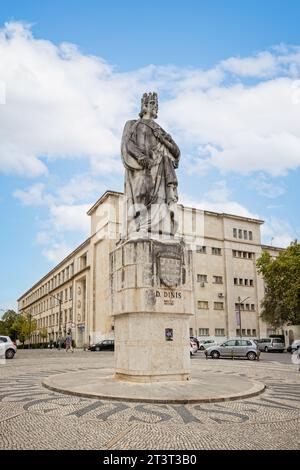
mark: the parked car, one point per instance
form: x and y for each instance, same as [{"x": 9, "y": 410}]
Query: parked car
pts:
[
  {"x": 105, "y": 345},
  {"x": 294, "y": 346},
  {"x": 270, "y": 344},
  {"x": 207, "y": 343},
  {"x": 193, "y": 347},
  {"x": 7, "y": 347},
  {"x": 193, "y": 338},
  {"x": 234, "y": 348}
]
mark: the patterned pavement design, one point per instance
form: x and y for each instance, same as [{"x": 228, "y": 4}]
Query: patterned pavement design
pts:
[{"x": 32, "y": 417}]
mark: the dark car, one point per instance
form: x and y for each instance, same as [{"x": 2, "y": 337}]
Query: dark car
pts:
[{"x": 105, "y": 345}]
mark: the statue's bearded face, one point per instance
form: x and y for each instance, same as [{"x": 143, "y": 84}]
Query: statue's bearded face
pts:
[{"x": 152, "y": 108}]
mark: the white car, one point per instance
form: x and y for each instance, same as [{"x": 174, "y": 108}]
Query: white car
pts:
[
  {"x": 7, "y": 348},
  {"x": 294, "y": 346},
  {"x": 207, "y": 343}
]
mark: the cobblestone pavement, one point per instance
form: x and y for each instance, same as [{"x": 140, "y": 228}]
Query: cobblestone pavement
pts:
[{"x": 32, "y": 417}]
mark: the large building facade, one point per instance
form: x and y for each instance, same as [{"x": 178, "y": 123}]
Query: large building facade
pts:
[{"x": 75, "y": 295}]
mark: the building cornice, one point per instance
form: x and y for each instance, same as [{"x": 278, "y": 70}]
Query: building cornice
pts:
[{"x": 104, "y": 196}]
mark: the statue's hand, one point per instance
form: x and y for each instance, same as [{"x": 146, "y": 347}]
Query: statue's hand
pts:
[{"x": 144, "y": 162}]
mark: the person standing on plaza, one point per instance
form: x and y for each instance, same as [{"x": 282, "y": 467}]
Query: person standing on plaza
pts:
[{"x": 69, "y": 342}]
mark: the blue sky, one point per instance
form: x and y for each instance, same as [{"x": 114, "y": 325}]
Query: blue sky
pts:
[{"x": 72, "y": 72}]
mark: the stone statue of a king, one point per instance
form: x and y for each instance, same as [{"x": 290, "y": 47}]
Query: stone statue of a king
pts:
[{"x": 150, "y": 157}]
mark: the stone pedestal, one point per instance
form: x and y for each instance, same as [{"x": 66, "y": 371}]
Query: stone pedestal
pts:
[{"x": 151, "y": 301}]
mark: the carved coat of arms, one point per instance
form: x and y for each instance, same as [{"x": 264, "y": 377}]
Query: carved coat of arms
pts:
[{"x": 169, "y": 271}]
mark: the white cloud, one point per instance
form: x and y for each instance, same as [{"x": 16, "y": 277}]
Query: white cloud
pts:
[
  {"x": 57, "y": 252},
  {"x": 267, "y": 188},
  {"x": 79, "y": 188},
  {"x": 277, "y": 232},
  {"x": 61, "y": 103},
  {"x": 218, "y": 200},
  {"x": 64, "y": 218},
  {"x": 34, "y": 196}
]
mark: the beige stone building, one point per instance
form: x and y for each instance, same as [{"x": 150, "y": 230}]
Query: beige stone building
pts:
[{"x": 75, "y": 294}]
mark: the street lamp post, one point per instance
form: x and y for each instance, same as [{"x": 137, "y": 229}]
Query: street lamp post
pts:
[
  {"x": 239, "y": 310},
  {"x": 59, "y": 317}
]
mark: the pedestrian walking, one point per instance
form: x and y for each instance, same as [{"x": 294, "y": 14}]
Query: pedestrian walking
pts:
[{"x": 69, "y": 342}]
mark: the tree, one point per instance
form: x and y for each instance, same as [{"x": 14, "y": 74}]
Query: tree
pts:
[
  {"x": 7, "y": 322},
  {"x": 24, "y": 326},
  {"x": 43, "y": 333},
  {"x": 281, "y": 304}
]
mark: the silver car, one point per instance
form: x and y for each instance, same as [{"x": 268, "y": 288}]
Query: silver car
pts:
[
  {"x": 234, "y": 348},
  {"x": 7, "y": 348},
  {"x": 270, "y": 344}
]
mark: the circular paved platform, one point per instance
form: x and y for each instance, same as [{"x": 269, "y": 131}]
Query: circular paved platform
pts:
[{"x": 205, "y": 387}]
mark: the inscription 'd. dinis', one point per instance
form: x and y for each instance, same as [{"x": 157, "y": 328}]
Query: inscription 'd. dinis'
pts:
[{"x": 169, "y": 295}]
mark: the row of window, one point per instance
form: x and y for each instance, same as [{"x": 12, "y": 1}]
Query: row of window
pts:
[
  {"x": 214, "y": 250},
  {"x": 52, "y": 320},
  {"x": 247, "y": 332},
  {"x": 204, "y": 305},
  {"x": 246, "y": 307},
  {"x": 61, "y": 277},
  {"x": 205, "y": 332},
  {"x": 238, "y": 281},
  {"x": 56, "y": 280},
  {"x": 218, "y": 251},
  {"x": 203, "y": 278},
  {"x": 242, "y": 234},
  {"x": 221, "y": 332},
  {"x": 243, "y": 254},
  {"x": 64, "y": 296}
]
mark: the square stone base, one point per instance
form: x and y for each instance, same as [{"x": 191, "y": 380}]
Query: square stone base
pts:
[{"x": 151, "y": 301}]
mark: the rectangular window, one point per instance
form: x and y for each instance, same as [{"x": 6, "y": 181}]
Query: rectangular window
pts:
[
  {"x": 219, "y": 332},
  {"x": 201, "y": 249},
  {"x": 201, "y": 278},
  {"x": 234, "y": 233},
  {"x": 245, "y": 235},
  {"x": 83, "y": 261},
  {"x": 250, "y": 235},
  {"x": 191, "y": 332},
  {"x": 203, "y": 304},
  {"x": 243, "y": 332},
  {"x": 254, "y": 332},
  {"x": 66, "y": 295},
  {"x": 70, "y": 292},
  {"x": 238, "y": 332},
  {"x": 247, "y": 307},
  {"x": 234, "y": 253},
  {"x": 218, "y": 305},
  {"x": 248, "y": 332},
  {"x": 217, "y": 279},
  {"x": 203, "y": 331},
  {"x": 216, "y": 251},
  {"x": 251, "y": 282},
  {"x": 246, "y": 282},
  {"x": 252, "y": 307},
  {"x": 240, "y": 233},
  {"x": 250, "y": 255},
  {"x": 235, "y": 281},
  {"x": 240, "y": 281}
]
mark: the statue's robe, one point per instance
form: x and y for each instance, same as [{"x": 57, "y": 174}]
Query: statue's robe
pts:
[{"x": 150, "y": 193}]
